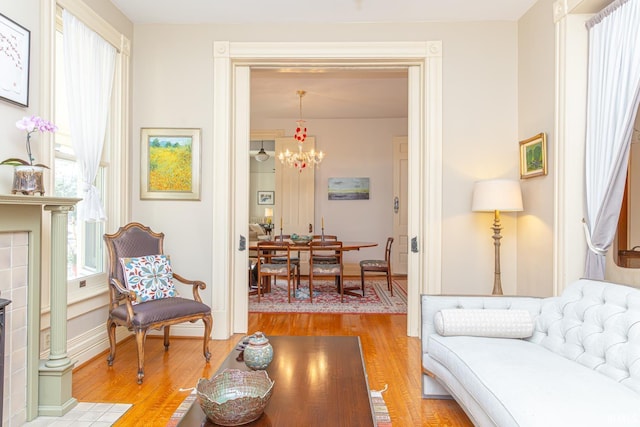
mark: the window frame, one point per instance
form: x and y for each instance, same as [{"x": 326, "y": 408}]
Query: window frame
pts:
[{"x": 115, "y": 153}]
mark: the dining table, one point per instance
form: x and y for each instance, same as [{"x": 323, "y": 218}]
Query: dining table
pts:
[
  {"x": 346, "y": 245},
  {"x": 304, "y": 246}
]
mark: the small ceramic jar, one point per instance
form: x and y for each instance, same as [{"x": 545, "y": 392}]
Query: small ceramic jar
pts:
[{"x": 258, "y": 353}]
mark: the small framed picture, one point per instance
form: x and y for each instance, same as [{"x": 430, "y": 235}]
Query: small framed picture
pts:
[
  {"x": 15, "y": 43},
  {"x": 265, "y": 197},
  {"x": 533, "y": 156},
  {"x": 170, "y": 163}
]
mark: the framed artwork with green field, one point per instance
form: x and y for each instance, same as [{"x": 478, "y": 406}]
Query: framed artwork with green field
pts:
[
  {"x": 170, "y": 163},
  {"x": 533, "y": 156}
]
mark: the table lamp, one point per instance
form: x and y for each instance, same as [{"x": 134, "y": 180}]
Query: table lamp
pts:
[
  {"x": 268, "y": 213},
  {"x": 497, "y": 195}
]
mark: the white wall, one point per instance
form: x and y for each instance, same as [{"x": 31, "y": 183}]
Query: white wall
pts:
[
  {"x": 172, "y": 83},
  {"x": 536, "y": 67}
]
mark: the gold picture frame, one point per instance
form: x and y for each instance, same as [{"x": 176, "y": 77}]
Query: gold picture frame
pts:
[
  {"x": 170, "y": 163},
  {"x": 533, "y": 156}
]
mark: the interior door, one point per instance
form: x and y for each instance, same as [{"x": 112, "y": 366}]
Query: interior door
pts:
[
  {"x": 295, "y": 195},
  {"x": 400, "y": 248}
]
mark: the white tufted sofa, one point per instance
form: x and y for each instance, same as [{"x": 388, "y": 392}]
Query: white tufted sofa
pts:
[{"x": 580, "y": 367}]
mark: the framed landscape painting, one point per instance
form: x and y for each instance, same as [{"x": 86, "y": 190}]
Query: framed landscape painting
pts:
[
  {"x": 170, "y": 163},
  {"x": 15, "y": 42},
  {"x": 533, "y": 156},
  {"x": 348, "y": 189}
]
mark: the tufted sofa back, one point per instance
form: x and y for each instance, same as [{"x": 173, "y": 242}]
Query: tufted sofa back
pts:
[{"x": 596, "y": 324}]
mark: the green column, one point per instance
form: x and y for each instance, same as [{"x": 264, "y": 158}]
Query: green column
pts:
[{"x": 55, "y": 374}]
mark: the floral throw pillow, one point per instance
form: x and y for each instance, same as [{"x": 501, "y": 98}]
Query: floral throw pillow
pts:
[{"x": 149, "y": 277}]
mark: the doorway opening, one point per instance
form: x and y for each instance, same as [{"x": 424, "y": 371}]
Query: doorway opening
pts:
[{"x": 233, "y": 64}]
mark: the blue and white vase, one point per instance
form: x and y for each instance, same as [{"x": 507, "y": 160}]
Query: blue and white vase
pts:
[{"x": 258, "y": 353}]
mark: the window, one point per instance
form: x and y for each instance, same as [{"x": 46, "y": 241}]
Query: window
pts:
[{"x": 86, "y": 258}]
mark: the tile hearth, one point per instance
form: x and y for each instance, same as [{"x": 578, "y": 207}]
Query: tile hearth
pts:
[{"x": 85, "y": 414}]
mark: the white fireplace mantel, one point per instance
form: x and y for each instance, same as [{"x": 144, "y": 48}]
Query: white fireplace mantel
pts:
[{"x": 48, "y": 381}]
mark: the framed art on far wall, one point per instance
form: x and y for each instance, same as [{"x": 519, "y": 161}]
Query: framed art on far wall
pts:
[
  {"x": 265, "y": 197},
  {"x": 170, "y": 163},
  {"x": 533, "y": 156},
  {"x": 15, "y": 43}
]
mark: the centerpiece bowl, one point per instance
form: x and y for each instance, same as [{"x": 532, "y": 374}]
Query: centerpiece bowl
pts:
[
  {"x": 234, "y": 397},
  {"x": 297, "y": 238}
]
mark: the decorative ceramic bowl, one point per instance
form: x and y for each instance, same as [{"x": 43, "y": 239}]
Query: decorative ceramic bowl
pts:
[
  {"x": 300, "y": 239},
  {"x": 234, "y": 397}
]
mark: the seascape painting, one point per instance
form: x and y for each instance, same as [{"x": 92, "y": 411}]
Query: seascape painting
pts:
[{"x": 348, "y": 189}]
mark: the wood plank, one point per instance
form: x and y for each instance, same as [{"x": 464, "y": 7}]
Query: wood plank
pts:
[{"x": 391, "y": 358}]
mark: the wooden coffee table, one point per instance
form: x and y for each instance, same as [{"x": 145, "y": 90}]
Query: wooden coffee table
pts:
[{"x": 319, "y": 381}]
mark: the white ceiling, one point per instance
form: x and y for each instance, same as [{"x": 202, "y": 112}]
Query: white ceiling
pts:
[
  {"x": 334, "y": 93},
  {"x": 320, "y": 11}
]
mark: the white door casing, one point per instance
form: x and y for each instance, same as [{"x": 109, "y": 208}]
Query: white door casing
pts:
[{"x": 232, "y": 62}]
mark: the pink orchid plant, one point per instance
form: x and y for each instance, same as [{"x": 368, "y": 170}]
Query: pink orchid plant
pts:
[{"x": 30, "y": 125}]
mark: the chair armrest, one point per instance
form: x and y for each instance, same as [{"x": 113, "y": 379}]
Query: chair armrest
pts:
[
  {"x": 431, "y": 304},
  {"x": 119, "y": 287},
  {"x": 197, "y": 284}
]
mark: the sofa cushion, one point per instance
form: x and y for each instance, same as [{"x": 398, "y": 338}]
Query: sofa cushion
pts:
[
  {"x": 519, "y": 383},
  {"x": 484, "y": 323}
]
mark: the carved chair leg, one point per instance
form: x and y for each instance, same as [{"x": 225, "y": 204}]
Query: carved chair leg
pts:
[
  {"x": 141, "y": 335},
  {"x": 389, "y": 284},
  {"x": 208, "y": 326},
  {"x": 166, "y": 338},
  {"x": 111, "y": 331}
]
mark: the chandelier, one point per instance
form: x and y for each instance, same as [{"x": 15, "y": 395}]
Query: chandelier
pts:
[{"x": 300, "y": 159}]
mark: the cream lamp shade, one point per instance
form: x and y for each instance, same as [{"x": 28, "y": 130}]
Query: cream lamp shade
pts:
[
  {"x": 497, "y": 195},
  {"x": 268, "y": 212}
]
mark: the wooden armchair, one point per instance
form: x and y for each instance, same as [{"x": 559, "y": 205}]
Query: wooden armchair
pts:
[{"x": 132, "y": 242}]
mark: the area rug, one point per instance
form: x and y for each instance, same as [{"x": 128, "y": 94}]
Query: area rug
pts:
[
  {"x": 326, "y": 298},
  {"x": 380, "y": 410}
]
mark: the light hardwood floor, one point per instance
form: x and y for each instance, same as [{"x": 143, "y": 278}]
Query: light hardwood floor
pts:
[{"x": 391, "y": 358}]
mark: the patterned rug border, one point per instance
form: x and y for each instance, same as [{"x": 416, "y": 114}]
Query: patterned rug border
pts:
[{"x": 329, "y": 300}]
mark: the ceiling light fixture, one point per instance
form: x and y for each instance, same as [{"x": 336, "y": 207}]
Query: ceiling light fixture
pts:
[
  {"x": 300, "y": 159},
  {"x": 262, "y": 155}
]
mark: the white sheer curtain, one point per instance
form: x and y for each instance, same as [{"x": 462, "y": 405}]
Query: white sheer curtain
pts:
[
  {"x": 613, "y": 90},
  {"x": 89, "y": 63}
]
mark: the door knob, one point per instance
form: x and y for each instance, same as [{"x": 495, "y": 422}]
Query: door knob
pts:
[{"x": 396, "y": 204}]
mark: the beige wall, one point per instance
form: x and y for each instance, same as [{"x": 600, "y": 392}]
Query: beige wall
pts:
[
  {"x": 173, "y": 87},
  {"x": 536, "y": 99},
  {"x": 25, "y": 13}
]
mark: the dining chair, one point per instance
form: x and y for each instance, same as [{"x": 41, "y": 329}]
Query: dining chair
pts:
[
  {"x": 267, "y": 268},
  {"x": 379, "y": 266},
  {"x": 294, "y": 259},
  {"x": 325, "y": 259},
  {"x": 324, "y": 237}
]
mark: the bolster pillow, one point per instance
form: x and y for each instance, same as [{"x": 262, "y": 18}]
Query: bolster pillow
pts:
[{"x": 484, "y": 323}]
